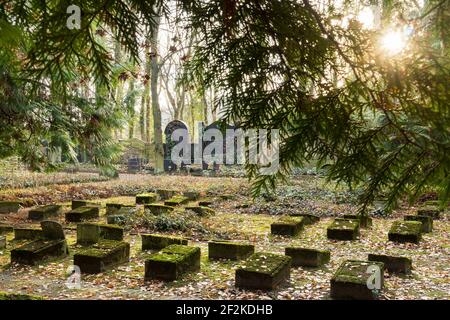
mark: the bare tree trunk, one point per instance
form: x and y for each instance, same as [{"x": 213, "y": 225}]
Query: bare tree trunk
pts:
[
  {"x": 157, "y": 130},
  {"x": 118, "y": 97},
  {"x": 132, "y": 113},
  {"x": 144, "y": 115}
]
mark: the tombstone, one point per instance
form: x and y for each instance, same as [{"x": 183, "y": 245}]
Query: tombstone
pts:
[
  {"x": 9, "y": 206},
  {"x": 8, "y": 296},
  {"x": 287, "y": 226},
  {"x": 4, "y": 228},
  {"x": 305, "y": 257},
  {"x": 134, "y": 165},
  {"x": 430, "y": 211},
  {"x": 83, "y": 213},
  {"x": 27, "y": 233},
  {"x": 263, "y": 271},
  {"x": 364, "y": 220},
  {"x": 393, "y": 264},
  {"x": 172, "y": 262},
  {"x": 90, "y": 233},
  {"x": 158, "y": 242},
  {"x": 158, "y": 209},
  {"x": 166, "y": 194},
  {"x": 52, "y": 245},
  {"x": 102, "y": 256},
  {"x": 201, "y": 210},
  {"x": 351, "y": 280},
  {"x": 169, "y": 165},
  {"x": 146, "y": 198},
  {"x": 343, "y": 229},
  {"x": 44, "y": 212},
  {"x": 229, "y": 250},
  {"x": 113, "y": 208},
  {"x": 427, "y": 222},
  {"x": 191, "y": 195},
  {"x": 405, "y": 231},
  {"x": 82, "y": 203},
  {"x": 122, "y": 215},
  {"x": 52, "y": 230},
  {"x": 308, "y": 218},
  {"x": 176, "y": 201}
]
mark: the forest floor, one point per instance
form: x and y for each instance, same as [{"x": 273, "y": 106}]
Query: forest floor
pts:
[{"x": 237, "y": 217}]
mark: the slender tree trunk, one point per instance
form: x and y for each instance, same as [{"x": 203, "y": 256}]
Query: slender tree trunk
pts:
[
  {"x": 157, "y": 130},
  {"x": 132, "y": 113},
  {"x": 118, "y": 97}
]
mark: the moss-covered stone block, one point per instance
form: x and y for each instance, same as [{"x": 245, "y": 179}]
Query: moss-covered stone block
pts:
[
  {"x": 113, "y": 208},
  {"x": 158, "y": 242},
  {"x": 38, "y": 251},
  {"x": 264, "y": 271},
  {"x": 44, "y": 212},
  {"x": 146, "y": 198},
  {"x": 2, "y": 242},
  {"x": 364, "y": 221},
  {"x": 430, "y": 211},
  {"x": 18, "y": 296},
  {"x": 27, "y": 233},
  {"x": 343, "y": 229},
  {"x": 102, "y": 256},
  {"x": 89, "y": 233},
  {"x": 287, "y": 226},
  {"x": 176, "y": 201},
  {"x": 229, "y": 250},
  {"x": 308, "y": 218},
  {"x": 4, "y": 228},
  {"x": 81, "y": 214},
  {"x": 305, "y": 257},
  {"x": 201, "y": 211},
  {"x": 52, "y": 230},
  {"x": 165, "y": 194},
  {"x": 9, "y": 206},
  {"x": 405, "y": 231},
  {"x": 206, "y": 202},
  {"x": 83, "y": 203},
  {"x": 158, "y": 209},
  {"x": 427, "y": 222},
  {"x": 350, "y": 281},
  {"x": 393, "y": 264},
  {"x": 191, "y": 195},
  {"x": 172, "y": 262}
]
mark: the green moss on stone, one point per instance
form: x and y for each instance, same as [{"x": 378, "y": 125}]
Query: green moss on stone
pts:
[
  {"x": 44, "y": 212},
  {"x": 18, "y": 296},
  {"x": 157, "y": 241},
  {"x": 406, "y": 227},
  {"x": 201, "y": 210},
  {"x": 146, "y": 198},
  {"x": 102, "y": 248},
  {"x": 176, "y": 201},
  {"x": 9, "y": 206},
  {"x": 83, "y": 213},
  {"x": 265, "y": 263},
  {"x": 158, "y": 209}
]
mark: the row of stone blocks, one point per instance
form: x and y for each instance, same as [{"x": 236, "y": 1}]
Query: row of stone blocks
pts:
[
  {"x": 103, "y": 246},
  {"x": 260, "y": 271},
  {"x": 346, "y": 228}
]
